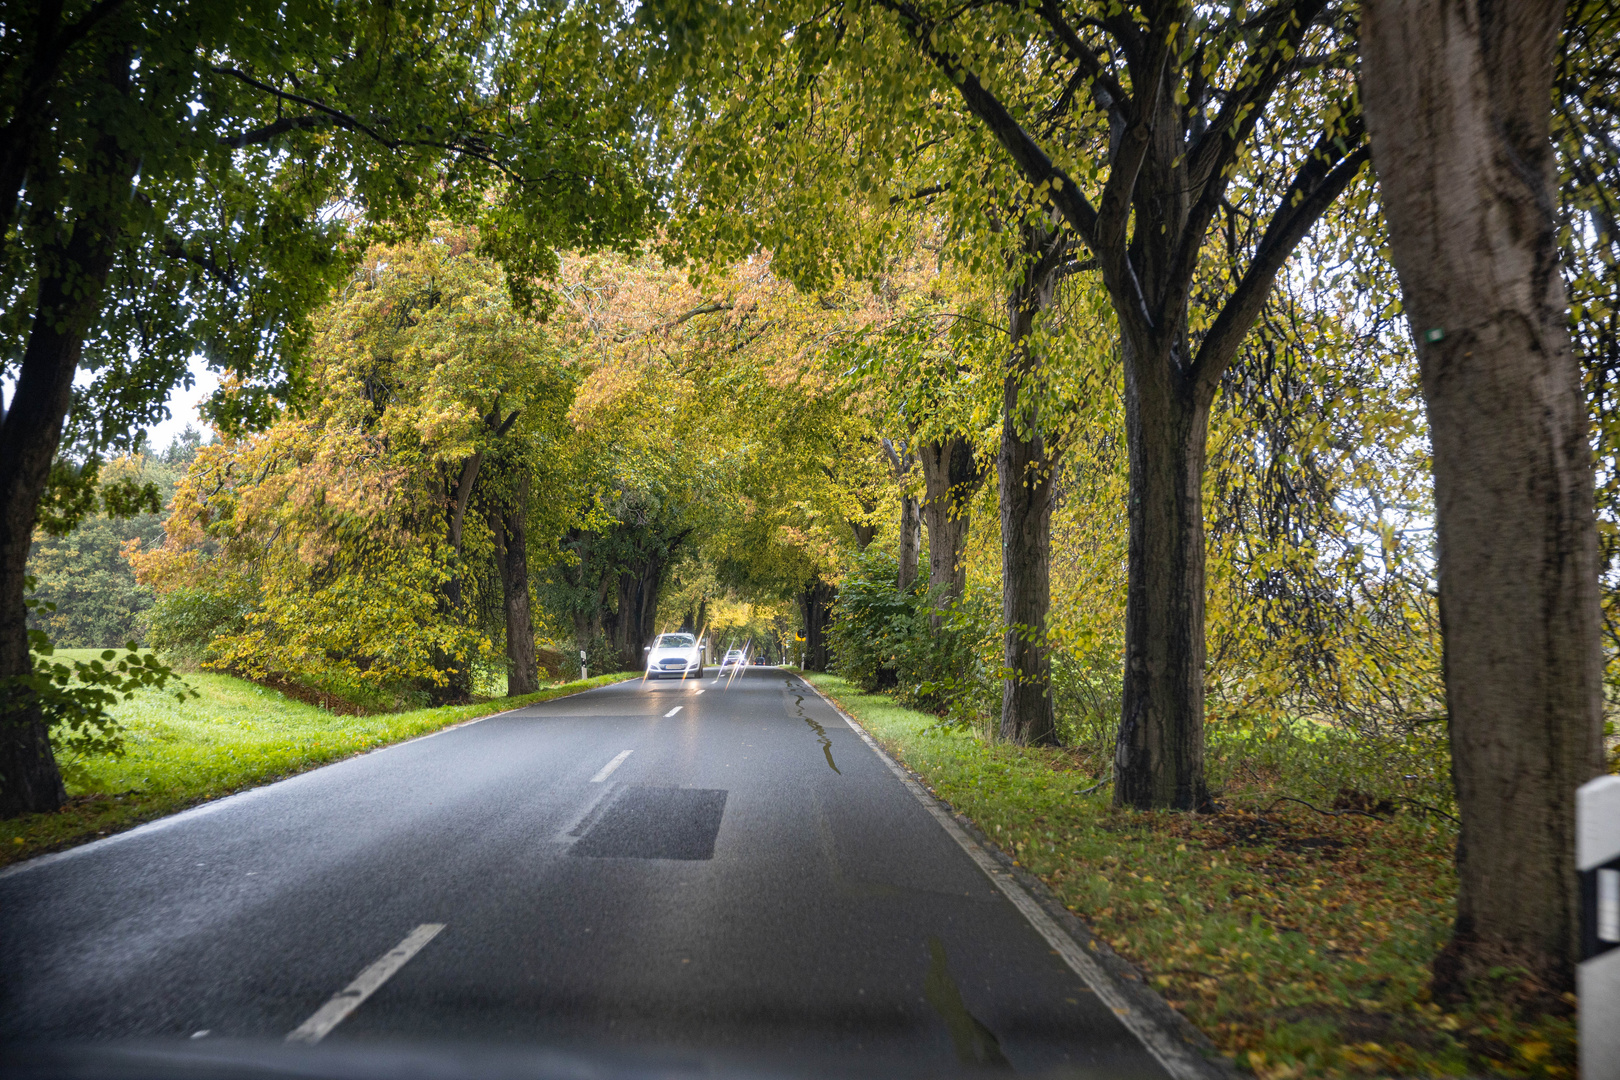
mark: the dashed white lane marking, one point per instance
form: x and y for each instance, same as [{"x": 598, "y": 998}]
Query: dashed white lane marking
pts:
[
  {"x": 607, "y": 770},
  {"x": 365, "y": 984},
  {"x": 1176, "y": 1059},
  {"x": 699, "y": 692},
  {"x": 675, "y": 710}
]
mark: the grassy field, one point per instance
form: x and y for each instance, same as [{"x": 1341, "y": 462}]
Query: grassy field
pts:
[
  {"x": 1299, "y": 942},
  {"x": 234, "y": 735}
]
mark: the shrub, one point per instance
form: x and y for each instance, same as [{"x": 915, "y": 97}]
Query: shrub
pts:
[
  {"x": 884, "y": 638},
  {"x": 184, "y": 623}
]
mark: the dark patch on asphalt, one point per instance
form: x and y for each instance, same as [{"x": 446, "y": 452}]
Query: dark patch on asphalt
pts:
[
  {"x": 975, "y": 1044},
  {"x": 826, "y": 743},
  {"x": 656, "y": 823},
  {"x": 821, "y": 732}
]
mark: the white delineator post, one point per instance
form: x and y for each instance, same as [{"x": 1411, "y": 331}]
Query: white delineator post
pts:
[
  {"x": 1597, "y": 981},
  {"x": 583, "y": 674}
]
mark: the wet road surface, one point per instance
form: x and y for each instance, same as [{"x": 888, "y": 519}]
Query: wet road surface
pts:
[{"x": 720, "y": 867}]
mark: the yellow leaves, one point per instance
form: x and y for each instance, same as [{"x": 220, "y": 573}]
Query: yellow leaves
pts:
[{"x": 1533, "y": 1051}]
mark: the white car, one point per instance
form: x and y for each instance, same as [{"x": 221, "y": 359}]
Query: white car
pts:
[
  {"x": 675, "y": 655},
  {"x": 734, "y": 658}
]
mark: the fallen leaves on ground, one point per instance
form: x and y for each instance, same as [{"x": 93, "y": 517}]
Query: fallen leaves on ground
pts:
[{"x": 1298, "y": 940}]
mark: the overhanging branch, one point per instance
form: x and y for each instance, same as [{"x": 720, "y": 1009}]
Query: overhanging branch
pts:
[{"x": 1307, "y": 199}]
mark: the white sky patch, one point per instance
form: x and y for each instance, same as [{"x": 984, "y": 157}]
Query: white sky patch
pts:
[
  {"x": 182, "y": 404},
  {"x": 183, "y": 408}
]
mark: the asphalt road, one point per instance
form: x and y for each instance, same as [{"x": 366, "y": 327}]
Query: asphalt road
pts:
[{"x": 723, "y": 868}]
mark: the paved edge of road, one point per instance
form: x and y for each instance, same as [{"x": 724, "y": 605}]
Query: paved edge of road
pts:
[
  {"x": 1184, "y": 1051},
  {"x": 248, "y": 794}
]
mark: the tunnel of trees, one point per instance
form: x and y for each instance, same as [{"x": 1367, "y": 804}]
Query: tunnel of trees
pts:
[{"x": 1076, "y": 371}]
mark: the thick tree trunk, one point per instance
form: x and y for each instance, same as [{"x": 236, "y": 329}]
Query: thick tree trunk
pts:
[
  {"x": 1026, "y": 469},
  {"x": 71, "y": 286},
  {"x": 587, "y": 607},
  {"x": 1457, "y": 97},
  {"x": 29, "y": 435},
  {"x": 815, "y": 607},
  {"x": 1159, "y": 756},
  {"x": 510, "y": 526},
  {"x": 636, "y": 618},
  {"x": 951, "y": 476}
]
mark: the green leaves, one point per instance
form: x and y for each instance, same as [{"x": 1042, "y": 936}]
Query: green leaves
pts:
[{"x": 75, "y": 697}]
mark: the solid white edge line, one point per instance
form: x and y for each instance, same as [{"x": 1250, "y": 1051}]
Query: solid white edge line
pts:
[
  {"x": 673, "y": 711},
  {"x": 39, "y": 862},
  {"x": 365, "y": 984},
  {"x": 1165, "y": 1048},
  {"x": 607, "y": 770}
]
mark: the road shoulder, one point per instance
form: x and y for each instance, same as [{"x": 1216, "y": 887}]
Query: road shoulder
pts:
[{"x": 1181, "y": 1048}]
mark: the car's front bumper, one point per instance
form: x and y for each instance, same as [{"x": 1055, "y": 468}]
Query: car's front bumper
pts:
[{"x": 675, "y": 671}]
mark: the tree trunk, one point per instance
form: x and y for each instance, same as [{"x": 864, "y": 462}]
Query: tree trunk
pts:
[
  {"x": 634, "y": 621},
  {"x": 951, "y": 476},
  {"x": 1159, "y": 755},
  {"x": 910, "y": 541},
  {"x": 1458, "y": 99},
  {"x": 69, "y": 299},
  {"x": 457, "y": 687},
  {"x": 864, "y": 534},
  {"x": 1026, "y": 469},
  {"x": 815, "y": 606},
  {"x": 510, "y": 526}
]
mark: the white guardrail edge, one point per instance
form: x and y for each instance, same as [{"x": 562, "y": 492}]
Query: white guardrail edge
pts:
[{"x": 1171, "y": 1051}]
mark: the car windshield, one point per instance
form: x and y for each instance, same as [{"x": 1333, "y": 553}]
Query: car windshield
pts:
[{"x": 675, "y": 641}]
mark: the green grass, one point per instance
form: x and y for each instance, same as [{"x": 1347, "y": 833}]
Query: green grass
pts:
[
  {"x": 234, "y": 735},
  {"x": 1299, "y": 942}
]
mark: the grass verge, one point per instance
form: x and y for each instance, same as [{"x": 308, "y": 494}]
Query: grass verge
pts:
[
  {"x": 234, "y": 735},
  {"x": 1299, "y": 942}
]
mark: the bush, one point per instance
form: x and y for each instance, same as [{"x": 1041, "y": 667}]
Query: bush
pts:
[
  {"x": 1087, "y": 688},
  {"x": 883, "y": 638},
  {"x": 183, "y": 624},
  {"x": 601, "y": 658}
]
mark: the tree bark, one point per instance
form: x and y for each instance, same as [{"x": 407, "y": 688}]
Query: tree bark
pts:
[
  {"x": 71, "y": 285},
  {"x": 910, "y": 542},
  {"x": 951, "y": 477},
  {"x": 1026, "y": 469},
  {"x": 510, "y": 526},
  {"x": 1458, "y": 104},
  {"x": 1159, "y": 755},
  {"x": 457, "y": 687},
  {"x": 815, "y": 607}
]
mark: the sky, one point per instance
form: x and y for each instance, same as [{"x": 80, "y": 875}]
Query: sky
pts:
[
  {"x": 183, "y": 408},
  {"x": 182, "y": 405}
]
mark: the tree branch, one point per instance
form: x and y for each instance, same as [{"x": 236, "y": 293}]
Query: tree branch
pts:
[
  {"x": 1082, "y": 55},
  {"x": 465, "y": 146},
  {"x": 264, "y": 134},
  {"x": 341, "y": 119},
  {"x": 1026, "y": 154},
  {"x": 1209, "y": 157},
  {"x": 1033, "y": 161},
  {"x": 1307, "y": 199},
  {"x": 1114, "y": 209}
]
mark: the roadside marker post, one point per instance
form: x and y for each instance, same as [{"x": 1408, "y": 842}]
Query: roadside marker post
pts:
[{"x": 1597, "y": 980}]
